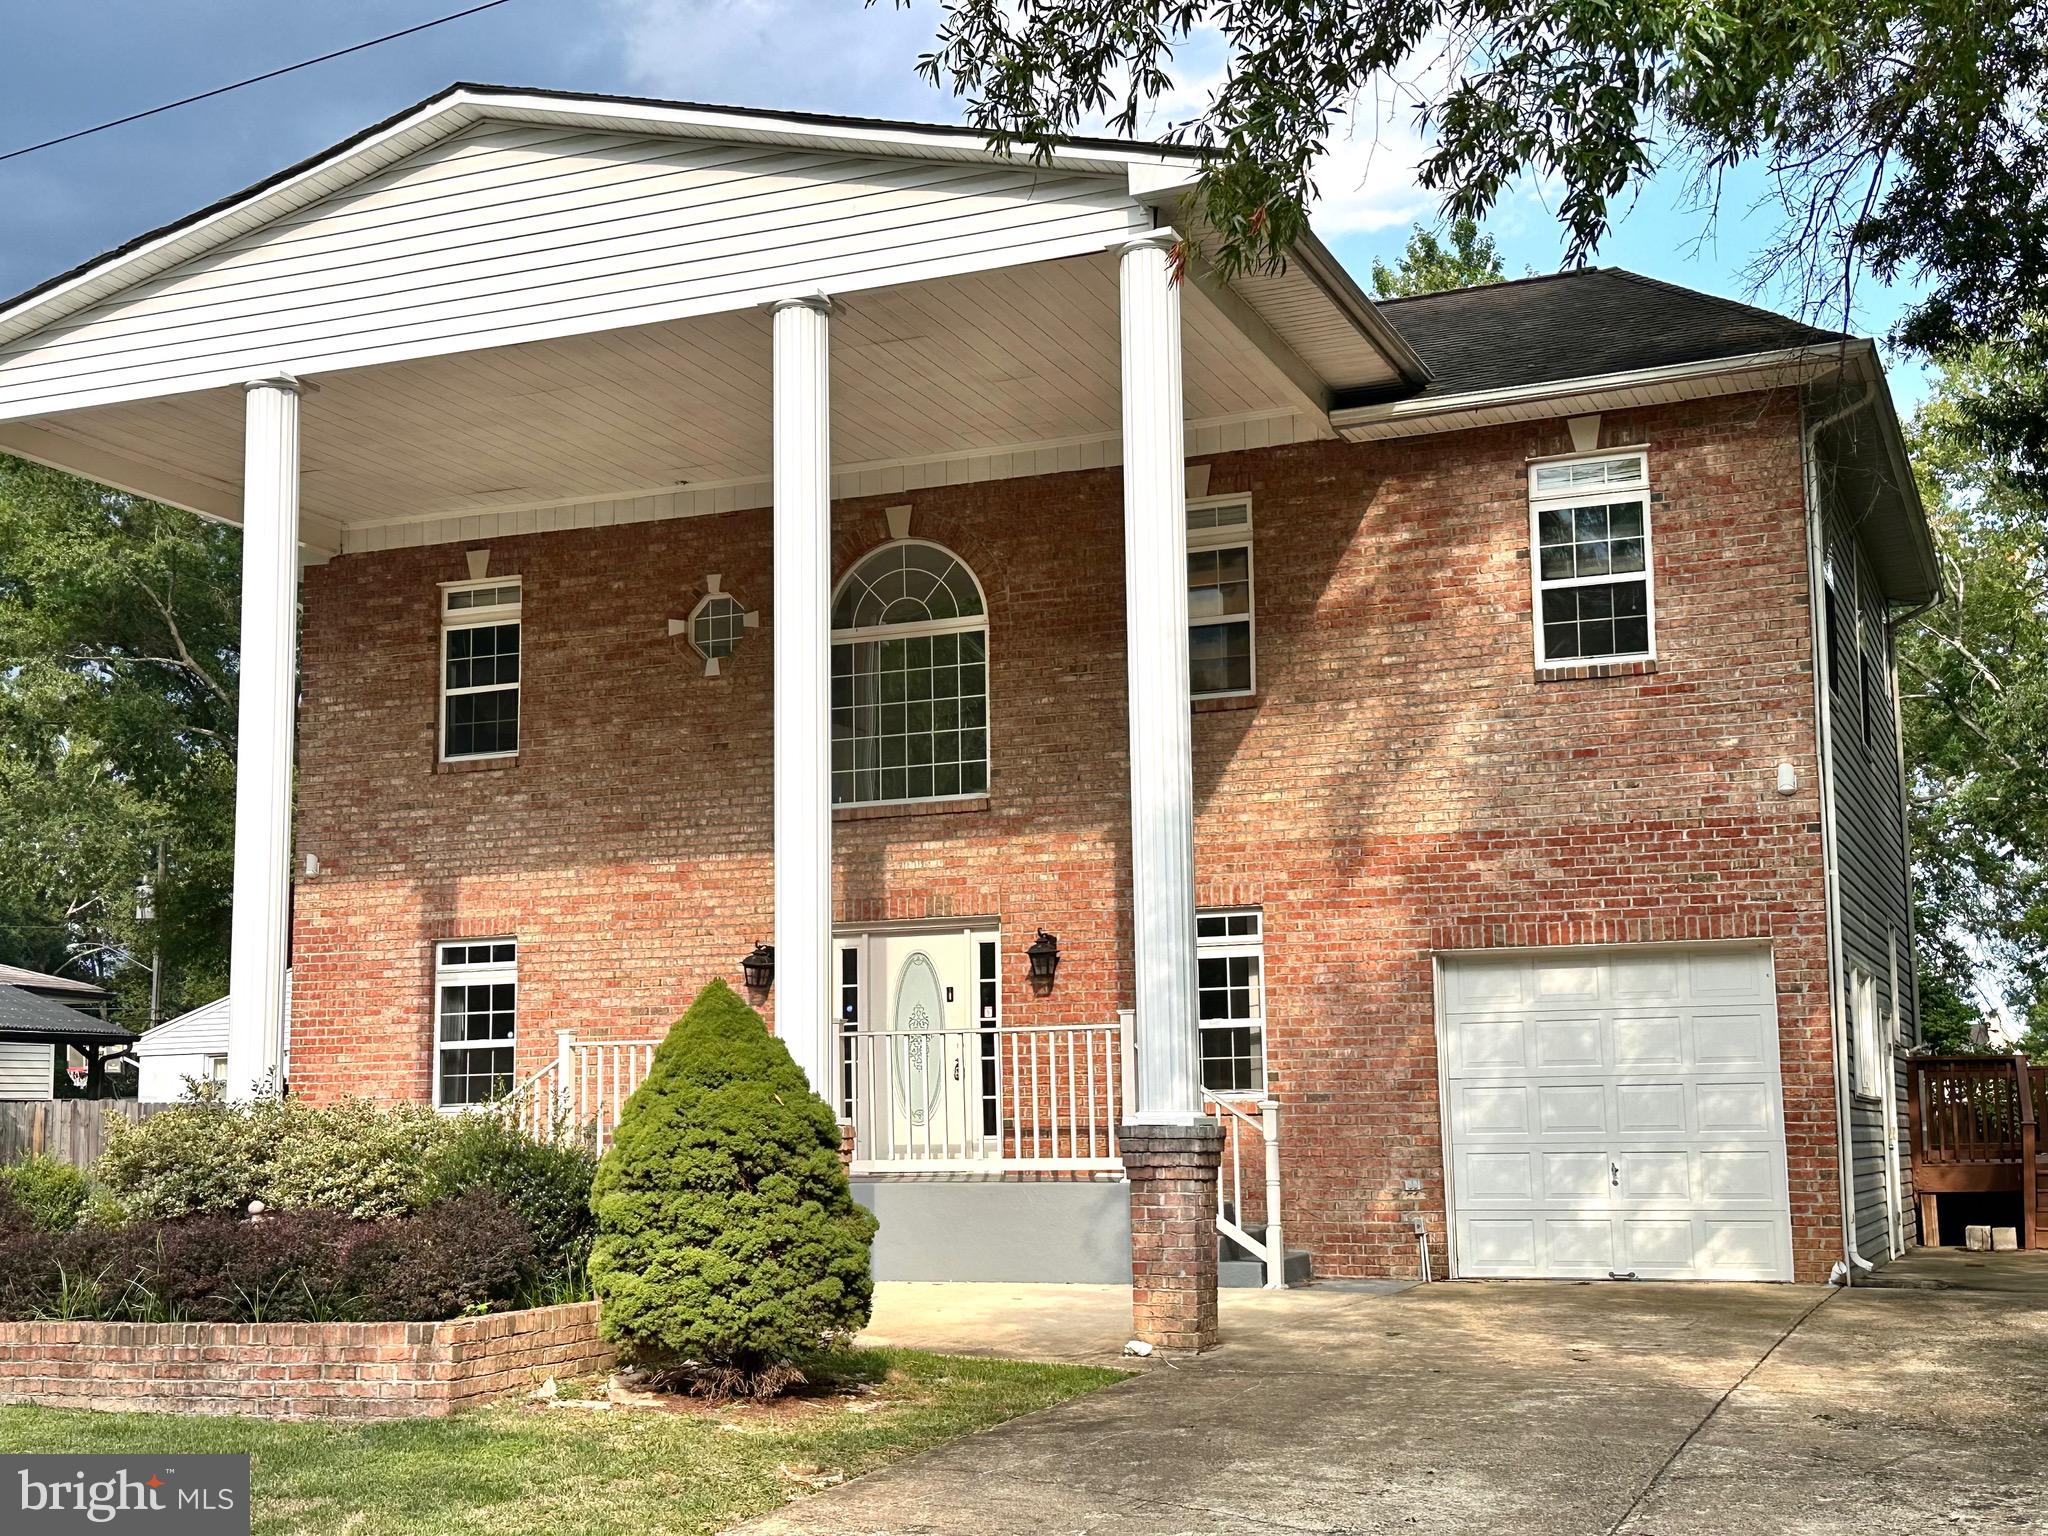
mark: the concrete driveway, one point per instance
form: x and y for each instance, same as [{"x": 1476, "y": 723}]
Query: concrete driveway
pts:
[{"x": 1527, "y": 1409}]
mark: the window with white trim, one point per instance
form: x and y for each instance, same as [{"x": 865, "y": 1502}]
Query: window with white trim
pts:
[
  {"x": 1230, "y": 999},
  {"x": 476, "y": 1020},
  {"x": 480, "y": 633},
  {"x": 1589, "y": 533},
  {"x": 1220, "y": 618},
  {"x": 909, "y": 678},
  {"x": 1868, "y": 1062}
]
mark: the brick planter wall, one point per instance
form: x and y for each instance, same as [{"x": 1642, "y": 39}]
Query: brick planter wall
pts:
[{"x": 296, "y": 1370}]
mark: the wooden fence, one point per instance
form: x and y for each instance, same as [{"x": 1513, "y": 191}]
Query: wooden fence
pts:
[{"x": 71, "y": 1130}]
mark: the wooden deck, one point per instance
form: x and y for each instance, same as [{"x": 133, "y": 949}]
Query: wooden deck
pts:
[{"x": 1974, "y": 1126}]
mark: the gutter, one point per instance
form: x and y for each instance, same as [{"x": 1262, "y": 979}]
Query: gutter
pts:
[
  {"x": 1852, "y": 1261},
  {"x": 1329, "y": 274},
  {"x": 1419, "y": 414}
]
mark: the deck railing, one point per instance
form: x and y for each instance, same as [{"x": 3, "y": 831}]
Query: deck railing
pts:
[{"x": 1974, "y": 1126}]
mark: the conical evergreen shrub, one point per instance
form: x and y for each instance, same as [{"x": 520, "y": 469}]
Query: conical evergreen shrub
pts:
[{"x": 728, "y": 1241}]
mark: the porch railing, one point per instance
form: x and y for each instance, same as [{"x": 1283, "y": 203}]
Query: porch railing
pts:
[
  {"x": 1260, "y": 1131},
  {"x": 1974, "y": 1124},
  {"x": 993, "y": 1100},
  {"x": 996, "y": 1099}
]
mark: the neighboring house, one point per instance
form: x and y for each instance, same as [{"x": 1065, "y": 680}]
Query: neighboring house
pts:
[
  {"x": 1463, "y": 725},
  {"x": 37, "y": 1031},
  {"x": 192, "y": 1046}
]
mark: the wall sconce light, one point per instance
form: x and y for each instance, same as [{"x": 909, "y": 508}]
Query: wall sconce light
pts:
[
  {"x": 759, "y": 968},
  {"x": 1044, "y": 955}
]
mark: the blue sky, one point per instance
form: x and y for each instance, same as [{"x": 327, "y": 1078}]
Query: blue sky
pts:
[{"x": 73, "y": 65}]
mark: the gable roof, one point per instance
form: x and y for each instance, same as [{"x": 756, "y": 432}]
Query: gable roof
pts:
[
  {"x": 26, "y": 1017},
  {"x": 70, "y": 987},
  {"x": 203, "y": 1026},
  {"x": 1595, "y": 320},
  {"x": 464, "y": 104}
]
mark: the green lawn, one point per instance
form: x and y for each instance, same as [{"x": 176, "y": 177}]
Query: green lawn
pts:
[{"x": 561, "y": 1471}]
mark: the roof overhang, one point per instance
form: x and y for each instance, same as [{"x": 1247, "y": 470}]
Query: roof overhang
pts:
[
  {"x": 27, "y": 1019},
  {"x": 1413, "y": 415}
]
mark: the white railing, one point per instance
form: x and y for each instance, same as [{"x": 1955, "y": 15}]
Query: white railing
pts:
[
  {"x": 1241, "y": 1125},
  {"x": 989, "y": 1100},
  {"x": 940, "y": 1101}
]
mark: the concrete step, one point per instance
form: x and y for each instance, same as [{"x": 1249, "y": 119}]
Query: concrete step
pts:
[{"x": 1245, "y": 1273}]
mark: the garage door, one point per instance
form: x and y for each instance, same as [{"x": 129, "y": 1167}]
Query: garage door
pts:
[{"x": 1616, "y": 1113}]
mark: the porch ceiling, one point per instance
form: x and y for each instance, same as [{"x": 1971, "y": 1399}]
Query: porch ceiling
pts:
[{"x": 1023, "y": 356}]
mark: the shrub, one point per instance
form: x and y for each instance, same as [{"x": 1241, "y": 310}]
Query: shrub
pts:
[
  {"x": 728, "y": 1239},
  {"x": 207, "y": 1157},
  {"x": 49, "y": 1193},
  {"x": 456, "y": 1257},
  {"x": 461, "y": 1255},
  {"x": 362, "y": 1159},
  {"x": 547, "y": 1182},
  {"x": 191, "y": 1159}
]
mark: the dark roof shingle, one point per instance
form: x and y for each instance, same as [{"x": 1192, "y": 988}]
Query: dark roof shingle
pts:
[
  {"x": 1568, "y": 325},
  {"x": 27, "y": 1018}
]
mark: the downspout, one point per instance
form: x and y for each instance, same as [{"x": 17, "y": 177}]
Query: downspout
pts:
[
  {"x": 1852, "y": 1260},
  {"x": 1895, "y": 627}
]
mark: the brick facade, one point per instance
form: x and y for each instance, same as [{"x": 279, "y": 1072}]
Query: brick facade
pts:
[
  {"x": 1403, "y": 781},
  {"x": 297, "y": 1370}
]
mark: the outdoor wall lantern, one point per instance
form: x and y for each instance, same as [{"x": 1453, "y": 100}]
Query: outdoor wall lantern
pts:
[
  {"x": 1044, "y": 955},
  {"x": 759, "y": 968}
]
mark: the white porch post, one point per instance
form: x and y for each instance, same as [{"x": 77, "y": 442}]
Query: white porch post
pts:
[
  {"x": 1156, "y": 632},
  {"x": 803, "y": 677},
  {"x": 260, "y": 933}
]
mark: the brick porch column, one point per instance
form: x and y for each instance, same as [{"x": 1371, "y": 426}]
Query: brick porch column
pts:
[
  {"x": 1172, "y": 1169},
  {"x": 1170, "y": 1147}
]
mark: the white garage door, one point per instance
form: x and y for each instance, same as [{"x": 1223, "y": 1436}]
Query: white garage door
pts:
[{"x": 1616, "y": 1113}]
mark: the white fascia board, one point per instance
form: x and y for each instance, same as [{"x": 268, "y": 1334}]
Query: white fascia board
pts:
[
  {"x": 1594, "y": 392},
  {"x": 319, "y": 536},
  {"x": 1307, "y": 386}
]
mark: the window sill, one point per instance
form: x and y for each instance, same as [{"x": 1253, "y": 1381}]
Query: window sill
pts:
[
  {"x": 1227, "y": 702},
  {"x": 477, "y": 764},
  {"x": 964, "y": 806},
  {"x": 1579, "y": 673}
]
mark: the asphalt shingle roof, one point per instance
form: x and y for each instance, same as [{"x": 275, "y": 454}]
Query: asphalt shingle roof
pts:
[
  {"x": 37, "y": 981},
  {"x": 25, "y": 1017},
  {"x": 1576, "y": 324}
]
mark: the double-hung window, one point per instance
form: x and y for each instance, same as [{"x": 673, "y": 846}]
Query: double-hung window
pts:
[
  {"x": 1220, "y": 618},
  {"x": 1589, "y": 524},
  {"x": 476, "y": 1020},
  {"x": 1230, "y": 1000},
  {"x": 480, "y": 669}
]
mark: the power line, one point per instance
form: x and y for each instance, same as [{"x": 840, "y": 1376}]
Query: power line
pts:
[{"x": 222, "y": 90}]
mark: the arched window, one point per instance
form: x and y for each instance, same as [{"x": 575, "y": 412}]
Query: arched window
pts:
[{"x": 909, "y": 678}]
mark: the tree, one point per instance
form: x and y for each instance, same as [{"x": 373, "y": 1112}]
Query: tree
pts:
[
  {"x": 1428, "y": 266},
  {"x": 729, "y": 1246},
  {"x": 1902, "y": 136},
  {"x": 118, "y": 666},
  {"x": 1973, "y": 676}
]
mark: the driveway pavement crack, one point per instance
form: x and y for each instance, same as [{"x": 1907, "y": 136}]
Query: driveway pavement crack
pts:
[{"x": 1707, "y": 1418}]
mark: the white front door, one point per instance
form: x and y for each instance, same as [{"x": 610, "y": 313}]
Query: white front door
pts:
[
  {"x": 916, "y": 1047},
  {"x": 1615, "y": 1112}
]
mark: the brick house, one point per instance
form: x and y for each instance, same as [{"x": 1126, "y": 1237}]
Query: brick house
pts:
[{"x": 1455, "y": 735}]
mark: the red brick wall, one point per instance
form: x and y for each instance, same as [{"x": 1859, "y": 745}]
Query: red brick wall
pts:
[
  {"x": 296, "y": 1370},
  {"x": 1402, "y": 782}
]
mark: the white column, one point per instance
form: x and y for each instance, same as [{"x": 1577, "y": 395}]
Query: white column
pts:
[
  {"x": 263, "y": 757},
  {"x": 1156, "y": 637},
  {"x": 803, "y": 680}
]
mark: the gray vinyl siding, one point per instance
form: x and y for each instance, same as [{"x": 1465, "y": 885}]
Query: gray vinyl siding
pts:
[{"x": 1875, "y": 882}]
